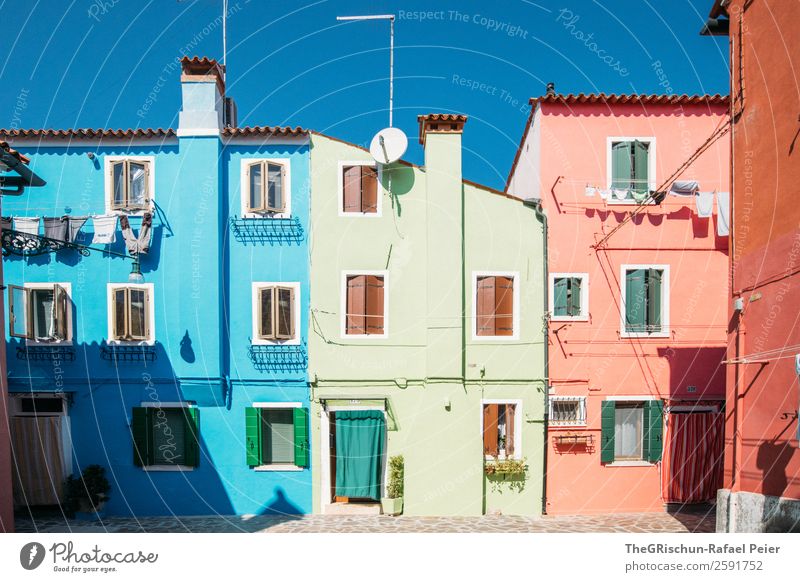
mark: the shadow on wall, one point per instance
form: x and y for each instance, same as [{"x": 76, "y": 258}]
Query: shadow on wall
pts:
[
  {"x": 398, "y": 180},
  {"x": 698, "y": 367},
  {"x": 778, "y": 515}
]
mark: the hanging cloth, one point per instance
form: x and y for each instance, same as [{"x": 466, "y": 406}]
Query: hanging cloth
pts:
[
  {"x": 39, "y": 460},
  {"x": 589, "y": 191},
  {"x": 692, "y": 460},
  {"x": 6, "y": 223},
  {"x": 704, "y": 204},
  {"x": 27, "y": 225},
  {"x": 360, "y": 438},
  {"x": 56, "y": 227},
  {"x": 105, "y": 229},
  {"x": 619, "y": 193},
  {"x": 723, "y": 213},
  {"x": 684, "y": 187},
  {"x": 604, "y": 194},
  {"x": 141, "y": 244},
  {"x": 75, "y": 225}
]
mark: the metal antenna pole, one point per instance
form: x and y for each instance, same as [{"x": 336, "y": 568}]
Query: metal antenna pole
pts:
[{"x": 224, "y": 40}]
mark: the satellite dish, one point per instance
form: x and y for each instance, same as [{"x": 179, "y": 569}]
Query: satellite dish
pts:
[{"x": 388, "y": 145}]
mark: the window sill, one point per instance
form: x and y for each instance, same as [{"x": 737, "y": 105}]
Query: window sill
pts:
[
  {"x": 266, "y": 215},
  {"x": 631, "y": 464},
  {"x": 45, "y": 344},
  {"x": 359, "y": 214},
  {"x": 569, "y": 318},
  {"x": 644, "y": 335},
  {"x": 363, "y": 336},
  {"x": 122, "y": 343},
  {"x": 495, "y": 338},
  {"x": 129, "y": 212},
  {"x": 168, "y": 468},
  {"x": 567, "y": 425},
  {"x": 275, "y": 342},
  {"x": 273, "y": 468}
]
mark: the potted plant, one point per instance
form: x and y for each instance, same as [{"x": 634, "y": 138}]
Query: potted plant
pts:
[
  {"x": 86, "y": 495},
  {"x": 392, "y": 504}
]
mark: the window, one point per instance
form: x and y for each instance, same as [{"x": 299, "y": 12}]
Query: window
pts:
[
  {"x": 166, "y": 436},
  {"x": 495, "y": 297},
  {"x": 645, "y": 300},
  {"x": 130, "y": 184},
  {"x": 276, "y": 436},
  {"x": 569, "y": 297},
  {"x": 266, "y": 187},
  {"x": 131, "y": 313},
  {"x": 359, "y": 189},
  {"x": 39, "y": 313},
  {"x": 631, "y": 431},
  {"x": 632, "y": 167},
  {"x": 276, "y": 313},
  {"x": 365, "y": 304},
  {"x": 38, "y": 404},
  {"x": 567, "y": 410},
  {"x": 500, "y": 432}
]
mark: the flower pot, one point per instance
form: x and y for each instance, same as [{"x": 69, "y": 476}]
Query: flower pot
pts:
[{"x": 392, "y": 506}]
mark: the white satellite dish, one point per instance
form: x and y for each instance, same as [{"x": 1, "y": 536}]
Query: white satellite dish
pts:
[{"x": 388, "y": 145}]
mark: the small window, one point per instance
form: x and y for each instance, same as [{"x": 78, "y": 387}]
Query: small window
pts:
[
  {"x": 628, "y": 431},
  {"x": 569, "y": 296},
  {"x": 644, "y": 301},
  {"x": 494, "y": 306},
  {"x": 166, "y": 436},
  {"x": 630, "y": 167},
  {"x": 130, "y": 314},
  {"x": 365, "y": 302},
  {"x": 276, "y": 437},
  {"x": 40, "y": 405},
  {"x": 631, "y": 431},
  {"x": 130, "y": 185},
  {"x": 276, "y": 313},
  {"x": 499, "y": 435},
  {"x": 266, "y": 187},
  {"x": 39, "y": 314},
  {"x": 360, "y": 190},
  {"x": 567, "y": 410}
]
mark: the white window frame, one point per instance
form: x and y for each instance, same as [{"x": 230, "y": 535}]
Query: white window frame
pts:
[
  {"x": 516, "y": 307},
  {"x": 340, "y": 189},
  {"x": 15, "y": 406},
  {"x": 68, "y": 289},
  {"x": 277, "y": 406},
  {"x": 581, "y": 422},
  {"x": 665, "y": 297},
  {"x": 109, "y": 184},
  {"x": 519, "y": 420},
  {"x": 111, "y": 287},
  {"x": 258, "y": 341},
  {"x": 343, "y": 305},
  {"x": 244, "y": 188},
  {"x": 167, "y": 468},
  {"x": 584, "y": 316},
  {"x": 651, "y": 165}
]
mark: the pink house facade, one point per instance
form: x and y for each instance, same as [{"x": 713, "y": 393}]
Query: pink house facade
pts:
[{"x": 637, "y": 294}]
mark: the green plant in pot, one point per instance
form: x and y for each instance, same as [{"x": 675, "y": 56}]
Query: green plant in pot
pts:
[
  {"x": 392, "y": 504},
  {"x": 86, "y": 495}
]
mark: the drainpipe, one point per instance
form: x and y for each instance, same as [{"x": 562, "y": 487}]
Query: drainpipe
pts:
[{"x": 536, "y": 204}]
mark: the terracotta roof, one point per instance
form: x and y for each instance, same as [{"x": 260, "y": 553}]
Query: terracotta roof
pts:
[
  {"x": 86, "y": 133},
  {"x": 628, "y": 99},
  {"x": 424, "y": 120},
  {"x": 196, "y": 66},
  {"x": 265, "y": 130},
  {"x": 13, "y": 152},
  {"x": 717, "y": 9}
]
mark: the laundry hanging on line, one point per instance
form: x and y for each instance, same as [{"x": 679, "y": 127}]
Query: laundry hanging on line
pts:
[
  {"x": 27, "y": 225},
  {"x": 6, "y": 223},
  {"x": 105, "y": 229},
  {"x": 684, "y": 187},
  {"x": 75, "y": 224},
  {"x": 55, "y": 227},
  {"x": 704, "y": 204},
  {"x": 141, "y": 244},
  {"x": 723, "y": 213}
]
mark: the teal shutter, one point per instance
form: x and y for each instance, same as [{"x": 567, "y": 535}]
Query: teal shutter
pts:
[
  {"x": 252, "y": 431},
  {"x": 653, "y": 443},
  {"x": 654, "y": 295},
  {"x": 191, "y": 441},
  {"x": 621, "y": 165},
  {"x": 301, "y": 445},
  {"x": 608, "y": 414},
  {"x": 640, "y": 159},
  {"x": 560, "y": 297},
  {"x": 575, "y": 297},
  {"x": 635, "y": 300},
  {"x": 142, "y": 436}
]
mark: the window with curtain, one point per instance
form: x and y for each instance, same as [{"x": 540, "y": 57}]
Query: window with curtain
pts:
[
  {"x": 39, "y": 314},
  {"x": 567, "y": 296},
  {"x": 131, "y": 314},
  {"x": 494, "y": 306},
  {"x": 499, "y": 430},
  {"x": 644, "y": 300},
  {"x": 360, "y": 185},
  {"x": 630, "y": 167},
  {"x": 266, "y": 187},
  {"x": 365, "y": 305},
  {"x": 167, "y": 436},
  {"x": 130, "y": 185},
  {"x": 277, "y": 433},
  {"x": 628, "y": 431},
  {"x": 276, "y": 436},
  {"x": 276, "y": 313}
]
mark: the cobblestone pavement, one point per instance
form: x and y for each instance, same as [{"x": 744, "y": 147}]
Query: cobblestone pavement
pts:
[{"x": 698, "y": 521}]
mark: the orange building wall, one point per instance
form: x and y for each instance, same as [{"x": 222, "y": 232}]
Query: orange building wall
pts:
[
  {"x": 6, "y": 501},
  {"x": 589, "y": 358}
]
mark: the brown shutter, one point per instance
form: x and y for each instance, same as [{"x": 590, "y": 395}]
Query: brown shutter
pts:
[
  {"x": 485, "y": 304},
  {"x": 510, "y": 429},
  {"x": 369, "y": 190},
  {"x": 356, "y": 304},
  {"x": 119, "y": 310},
  {"x": 60, "y": 312},
  {"x": 504, "y": 306},
  {"x": 374, "y": 310},
  {"x": 490, "y": 429},
  {"x": 266, "y": 313},
  {"x": 285, "y": 313},
  {"x": 352, "y": 189}
]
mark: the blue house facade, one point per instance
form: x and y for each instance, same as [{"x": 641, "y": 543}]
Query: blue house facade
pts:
[{"x": 186, "y": 382}]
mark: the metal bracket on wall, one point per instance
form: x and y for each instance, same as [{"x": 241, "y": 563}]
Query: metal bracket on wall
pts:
[
  {"x": 266, "y": 230},
  {"x": 46, "y": 353},
  {"x": 120, "y": 353},
  {"x": 29, "y": 245}
]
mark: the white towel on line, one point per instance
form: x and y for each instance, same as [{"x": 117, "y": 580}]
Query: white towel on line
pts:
[
  {"x": 704, "y": 204},
  {"x": 684, "y": 187},
  {"x": 105, "y": 229},
  {"x": 604, "y": 194},
  {"x": 620, "y": 194},
  {"x": 589, "y": 191},
  {"x": 27, "y": 225},
  {"x": 723, "y": 213}
]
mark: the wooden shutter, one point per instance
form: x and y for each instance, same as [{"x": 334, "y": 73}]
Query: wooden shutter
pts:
[
  {"x": 351, "y": 197},
  {"x": 375, "y": 304},
  {"x": 356, "y": 305},
  {"x": 621, "y": 165},
  {"x": 653, "y": 445},
  {"x": 640, "y": 166},
  {"x": 575, "y": 303},
  {"x": 266, "y": 313},
  {"x": 560, "y": 300},
  {"x": 60, "y": 312},
  {"x": 490, "y": 414},
  {"x": 301, "y": 444},
  {"x": 252, "y": 432},
  {"x": 256, "y": 179},
  {"x": 143, "y": 316},
  {"x": 510, "y": 428},
  {"x": 608, "y": 420},
  {"x": 504, "y": 306},
  {"x": 20, "y": 320},
  {"x": 147, "y": 193},
  {"x": 119, "y": 188},
  {"x": 654, "y": 295},
  {"x": 141, "y": 431},
  {"x": 635, "y": 306},
  {"x": 369, "y": 190},
  {"x": 275, "y": 189},
  {"x": 191, "y": 443},
  {"x": 284, "y": 313},
  {"x": 485, "y": 306}
]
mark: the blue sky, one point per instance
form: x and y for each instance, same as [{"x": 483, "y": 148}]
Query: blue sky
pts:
[{"x": 109, "y": 63}]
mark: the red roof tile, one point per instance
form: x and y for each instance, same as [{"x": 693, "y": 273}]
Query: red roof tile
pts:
[
  {"x": 423, "y": 120},
  {"x": 265, "y": 130},
  {"x": 632, "y": 99},
  {"x": 13, "y": 152},
  {"x": 86, "y": 133},
  {"x": 204, "y": 67}
]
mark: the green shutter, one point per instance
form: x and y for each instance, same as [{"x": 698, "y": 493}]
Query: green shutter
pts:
[
  {"x": 653, "y": 430},
  {"x": 621, "y": 165},
  {"x": 142, "y": 440},
  {"x": 560, "y": 297},
  {"x": 635, "y": 306},
  {"x": 607, "y": 423},
  {"x": 654, "y": 294},
  {"x": 191, "y": 446},
  {"x": 575, "y": 297},
  {"x": 640, "y": 160},
  {"x": 301, "y": 444},
  {"x": 252, "y": 431}
]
